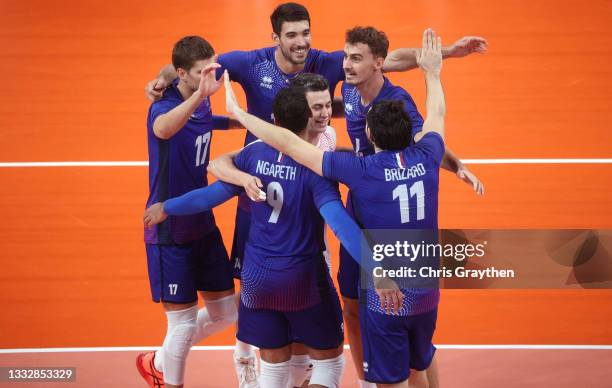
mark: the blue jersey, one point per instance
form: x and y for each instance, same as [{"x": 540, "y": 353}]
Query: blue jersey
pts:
[
  {"x": 284, "y": 268},
  {"x": 261, "y": 78},
  {"x": 355, "y": 113},
  {"x": 178, "y": 165},
  {"x": 394, "y": 190}
]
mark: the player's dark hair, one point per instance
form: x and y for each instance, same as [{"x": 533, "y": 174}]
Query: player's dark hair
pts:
[
  {"x": 291, "y": 110},
  {"x": 390, "y": 125},
  {"x": 310, "y": 82},
  {"x": 190, "y": 49},
  {"x": 288, "y": 12},
  {"x": 375, "y": 39}
]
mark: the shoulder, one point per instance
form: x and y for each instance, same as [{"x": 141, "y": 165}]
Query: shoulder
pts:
[
  {"x": 245, "y": 56},
  {"x": 327, "y": 140},
  {"x": 254, "y": 146},
  {"x": 394, "y": 91},
  {"x": 170, "y": 99}
]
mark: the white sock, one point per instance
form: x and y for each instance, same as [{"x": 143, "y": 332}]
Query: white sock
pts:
[
  {"x": 181, "y": 329},
  {"x": 274, "y": 375},
  {"x": 300, "y": 370},
  {"x": 327, "y": 373}
]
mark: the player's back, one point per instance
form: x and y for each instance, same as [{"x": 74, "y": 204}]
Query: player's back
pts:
[
  {"x": 398, "y": 190},
  {"x": 395, "y": 190},
  {"x": 283, "y": 267}
]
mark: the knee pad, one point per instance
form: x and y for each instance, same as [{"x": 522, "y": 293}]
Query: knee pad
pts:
[
  {"x": 216, "y": 316},
  {"x": 327, "y": 373},
  {"x": 223, "y": 311},
  {"x": 181, "y": 330}
]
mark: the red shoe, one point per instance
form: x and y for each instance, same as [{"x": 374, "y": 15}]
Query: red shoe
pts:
[{"x": 146, "y": 367}]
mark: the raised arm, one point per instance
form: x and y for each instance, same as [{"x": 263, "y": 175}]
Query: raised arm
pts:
[
  {"x": 404, "y": 59},
  {"x": 168, "y": 124},
  {"x": 430, "y": 61},
  {"x": 223, "y": 168},
  {"x": 452, "y": 163},
  {"x": 155, "y": 88},
  {"x": 279, "y": 138}
]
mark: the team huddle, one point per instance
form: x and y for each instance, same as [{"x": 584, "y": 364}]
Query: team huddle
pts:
[{"x": 286, "y": 178}]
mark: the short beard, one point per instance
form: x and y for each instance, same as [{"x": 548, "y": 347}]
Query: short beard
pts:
[{"x": 287, "y": 56}]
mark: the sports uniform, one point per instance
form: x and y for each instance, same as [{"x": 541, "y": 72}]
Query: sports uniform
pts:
[
  {"x": 184, "y": 253},
  {"x": 355, "y": 113},
  {"x": 380, "y": 184}
]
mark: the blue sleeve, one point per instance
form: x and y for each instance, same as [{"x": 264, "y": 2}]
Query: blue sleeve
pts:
[
  {"x": 220, "y": 122},
  {"x": 331, "y": 65},
  {"x": 199, "y": 200},
  {"x": 236, "y": 63},
  {"x": 432, "y": 146},
  {"x": 242, "y": 158},
  {"x": 345, "y": 167},
  {"x": 347, "y": 231},
  {"x": 161, "y": 107},
  {"x": 415, "y": 117},
  {"x": 323, "y": 190}
]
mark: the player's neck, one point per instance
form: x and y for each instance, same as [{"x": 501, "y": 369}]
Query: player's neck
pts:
[
  {"x": 311, "y": 137},
  {"x": 185, "y": 90},
  {"x": 284, "y": 65},
  {"x": 369, "y": 89}
]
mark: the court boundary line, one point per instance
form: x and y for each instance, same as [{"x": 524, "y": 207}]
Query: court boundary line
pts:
[
  {"x": 144, "y": 163},
  {"x": 217, "y": 348}
]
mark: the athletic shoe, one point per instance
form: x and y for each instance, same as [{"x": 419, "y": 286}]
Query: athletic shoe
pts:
[
  {"x": 146, "y": 367},
  {"x": 246, "y": 371}
]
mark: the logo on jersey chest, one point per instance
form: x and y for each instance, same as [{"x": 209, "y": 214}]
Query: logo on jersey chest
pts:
[
  {"x": 348, "y": 107},
  {"x": 266, "y": 82}
]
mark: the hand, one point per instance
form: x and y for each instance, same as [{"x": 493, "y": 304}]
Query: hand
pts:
[
  {"x": 429, "y": 57},
  {"x": 391, "y": 297},
  {"x": 252, "y": 186},
  {"x": 230, "y": 98},
  {"x": 155, "y": 89},
  {"x": 467, "y": 176},
  {"x": 208, "y": 83},
  {"x": 466, "y": 46},
  {"x": 154, "y": 215}
]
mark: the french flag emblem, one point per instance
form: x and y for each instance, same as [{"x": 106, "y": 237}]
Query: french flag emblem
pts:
[{"x": 400, "y": 160}]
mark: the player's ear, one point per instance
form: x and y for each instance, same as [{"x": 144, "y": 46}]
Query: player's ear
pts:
[
  {"x": 182, "y": 73},
  {"x": 369, "y": 134},
  {"x": 378, "y": 63},
  {"x": 276, "y": 38}
]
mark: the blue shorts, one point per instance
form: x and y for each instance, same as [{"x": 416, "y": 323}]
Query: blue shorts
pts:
[
  {"x": 178, "y": 272},
  {"x": 318, "y": 327},
  {"x": 241, "y": 235},
  {"x": 348, "y": 270},
  {"x": 393, "y": 345}
]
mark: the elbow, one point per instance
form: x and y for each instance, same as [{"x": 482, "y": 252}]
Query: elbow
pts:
[
  {"x": 213, "y": 169},
  {"x": 161, "y": 131}
]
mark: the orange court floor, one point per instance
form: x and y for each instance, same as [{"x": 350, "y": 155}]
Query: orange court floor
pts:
[{"x": 72, "y": 255}]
